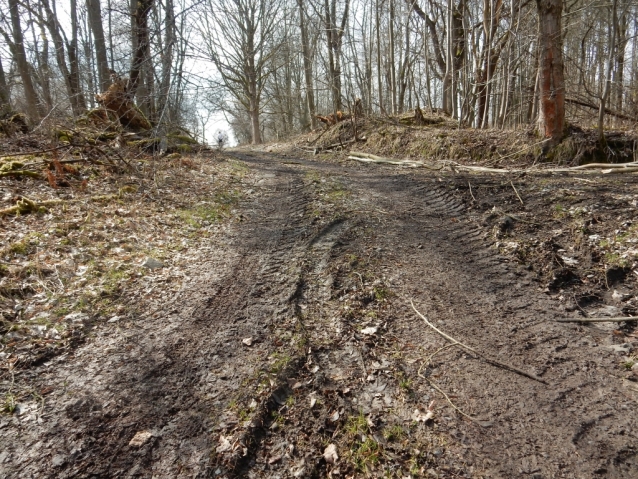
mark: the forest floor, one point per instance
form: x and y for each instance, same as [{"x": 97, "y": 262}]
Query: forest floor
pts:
[{"x": 253, "y": 313}]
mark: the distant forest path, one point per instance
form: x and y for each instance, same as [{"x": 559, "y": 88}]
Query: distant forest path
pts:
[{"x": 299, "y": 335}]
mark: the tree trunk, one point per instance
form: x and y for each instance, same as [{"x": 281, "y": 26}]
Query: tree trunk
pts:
[
  {"x": 21, "y": 61},
  {"x": 75, "y": 98},
  {"x": 140, "y": 41},
  {"x": 95, "y": 22},
  {"x": 167, "y": 61},
  {"x": 608, "y": 73},
  {"x": 307, "y": 65},
  {"x": 552, "y": 80},
  {"x": 379, "y": 81},
  {"x": 5, "y": 96},
  {"x": 393, "y": 68},
  {"x": 45, "y": 70},
  {"x": 78, "y": 103}
]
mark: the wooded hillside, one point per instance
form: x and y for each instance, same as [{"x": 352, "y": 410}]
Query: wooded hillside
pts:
[{"x": 272, "y": 66}]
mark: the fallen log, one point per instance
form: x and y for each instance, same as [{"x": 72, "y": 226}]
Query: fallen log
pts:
[
  {"x": 618, "y": 168},
  {"x": 609, "y": 112},
  {"x": 620, "y": 319}
]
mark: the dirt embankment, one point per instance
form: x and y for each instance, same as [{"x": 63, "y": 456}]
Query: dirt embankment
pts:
[{"x": 439, "y": 138}]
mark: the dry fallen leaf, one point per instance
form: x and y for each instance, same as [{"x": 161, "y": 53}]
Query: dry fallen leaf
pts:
[
  {"x": 418, "y": 415},
  {"x": 224, "y": 445},
  {"x": 247, "y": 341},
  {"x": 330, "y": 454},
  {"x": 313, "y": 401},
  {"x": 370, "y": 330},
  {"x": 140, "y": 438},
  {"x": 334, "y": 417},
  {"x": 274, "y": 459}
]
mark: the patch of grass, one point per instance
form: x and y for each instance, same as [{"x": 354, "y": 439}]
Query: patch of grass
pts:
[
  {"x": 278, "y": 418},
  {"x": 280, "y": 361},
  {"x": 357, "y": 425},
  {"x": 313, "y": 177},
  {"x": 243, "y": 414},
  {"x": 9, "y": 404},
  {"x": 366, "y": 455},
  {"x": 394, "y": 433},
  {"x": 405, "y": 384},
  {"x": 239, "y": 168},
  {"x": 113, "y": 279},
  {"x": 559, "y": 210},
  {"x": 337, "y": 194},
  {"x": 211, "y": 212},
  {"x": 380, "y": 293},
  {"x": 615, "y": 259},
  {"x": 19, "y": 247}
]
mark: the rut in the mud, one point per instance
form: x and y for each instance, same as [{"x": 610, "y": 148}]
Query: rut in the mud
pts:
[{"x": 299, "y": 334}]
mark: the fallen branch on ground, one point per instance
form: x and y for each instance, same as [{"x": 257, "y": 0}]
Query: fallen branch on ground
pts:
[
  {"x": 596, "y": 107},
  {"x": 370, "y": 158},
  {"x": 25, "y": 205},
  {"x": 28, "y": 153},
  {"x": 477, "y": 353},
  {"x": 618, "y": 319},
  {"x": 337, "y": 145},
  {"x": 604, "y": 168},
  {"x": 517, "y": 195},
  {"x": 32, "y": 174}
]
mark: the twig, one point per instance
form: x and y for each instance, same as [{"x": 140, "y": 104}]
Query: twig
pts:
[
  {"x": 447, "y": 398},
  {"x": 618, "y": 319},
  {"x": 431, "y": 383},
  {"x": 481, "y": 355},
  {"x": 322, "y": 133},
  {"x": 472, "y": 194},
  {"x": 518, "y": 196},
  {"x": 37, "y": 152}
]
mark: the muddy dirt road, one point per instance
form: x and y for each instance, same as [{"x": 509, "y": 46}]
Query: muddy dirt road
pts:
[{"x": 297, "y": 333}]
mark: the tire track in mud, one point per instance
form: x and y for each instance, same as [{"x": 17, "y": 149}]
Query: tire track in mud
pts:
[
  {"x": 505, "y": 317},
  {"x": 179, "y": 383},
  {"x": 192, "y": 382}
]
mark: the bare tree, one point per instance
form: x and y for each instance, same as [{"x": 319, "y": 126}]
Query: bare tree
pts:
[
  {"x": 307, "y": 64},
  {"x": 241, "y": 39},
  {"x": 20, "y": 57},
  {"x": 552, "y": 80},
  {"x": 94, "y": 12},
  {"x": 334, "y": 38}
]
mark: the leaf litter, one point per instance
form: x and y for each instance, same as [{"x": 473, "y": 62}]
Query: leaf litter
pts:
[{"x": 106, "y": 249}]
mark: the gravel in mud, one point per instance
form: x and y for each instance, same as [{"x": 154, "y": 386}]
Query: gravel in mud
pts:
[{"x": 294, "y": 351}]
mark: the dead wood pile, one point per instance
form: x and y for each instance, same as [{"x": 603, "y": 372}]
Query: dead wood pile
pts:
[{"x": 118, "y": 100}]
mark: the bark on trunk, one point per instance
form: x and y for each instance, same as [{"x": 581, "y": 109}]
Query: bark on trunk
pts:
[
  {"x": 5, "y": 97},
  {"x": 140, "y": 42},
  {"x": 307, "y": 64},
  {"x": 167, "y": 61},
  {"x": 608, "y": 73},
  {"x": 21, "y": 61},
  {"x": 552, "y": 80},
  {"x": 95, "y": 21},
  {"x": 78, "y": 103},
  {"x": 58, "y": 42}
]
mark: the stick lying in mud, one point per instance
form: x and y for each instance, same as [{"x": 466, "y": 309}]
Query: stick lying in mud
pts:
[
  {"x": 619, "y": 319},
  {"x": 477, "y": 353},
  {"x": 447, "y": 398}
]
